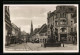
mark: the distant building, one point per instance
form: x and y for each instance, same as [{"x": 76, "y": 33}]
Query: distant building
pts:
[
  {"x": 28, "y": 37},
  {"x": 35, "y": 31},
  {"x": 24, "y": 36},
  {"x": 40, "y": 33},
  {"x": 8, "y": 27},
  {"x": 43, "y": 30},
  {"x": 31, "y": 31},
  {"x": 62, "y": 20}
]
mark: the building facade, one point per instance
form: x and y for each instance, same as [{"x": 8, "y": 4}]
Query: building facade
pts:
[
  {"x": 16, "y": 33},
  {"x": 62, "y": 20},
  {"x": 24, "y": 36},
  {"x": 8, "y": 26},
  {"x": 75, "y": 32},
  {"x": 40, "y": 33}
]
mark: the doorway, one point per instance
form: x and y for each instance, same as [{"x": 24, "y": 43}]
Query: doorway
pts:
[{"x": 63, "y": 37}]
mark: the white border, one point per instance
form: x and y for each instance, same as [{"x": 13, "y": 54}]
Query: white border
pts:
[{"x": 60, "y": 51}]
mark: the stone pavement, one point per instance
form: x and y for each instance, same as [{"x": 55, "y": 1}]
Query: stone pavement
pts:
[
  {"x": 38, "y": 47},
  {"x": 66, "y": 47},
  {"x": 18, "y": 47}
]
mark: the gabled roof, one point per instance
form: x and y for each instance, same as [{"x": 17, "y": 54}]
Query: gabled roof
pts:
[
  {"x": 43, "y": 29},
  {"x": 14, "y": 26}
]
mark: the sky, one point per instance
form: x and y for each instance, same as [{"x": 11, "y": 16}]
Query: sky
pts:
[{"x": 21, "y": 16}]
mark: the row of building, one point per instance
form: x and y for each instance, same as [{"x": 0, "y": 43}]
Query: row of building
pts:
[
  {"x": 63, "y": 22},
  {"x": 40, "y": 34},
  {"x": 13, "y": 34}
]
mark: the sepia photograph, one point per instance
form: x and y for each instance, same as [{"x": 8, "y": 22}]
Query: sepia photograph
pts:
[{"x": 40, "y": 28}]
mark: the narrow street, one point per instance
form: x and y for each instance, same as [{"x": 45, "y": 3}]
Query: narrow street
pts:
[{"x": 37, "y": 47}]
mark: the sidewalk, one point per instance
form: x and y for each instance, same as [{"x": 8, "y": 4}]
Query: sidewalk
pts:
[
  {"x": 37, "y": 47},
  {"x": 11, "y": 45},
  {"x": 34, "y": 46},
  {"x": 65, "y": 48}
]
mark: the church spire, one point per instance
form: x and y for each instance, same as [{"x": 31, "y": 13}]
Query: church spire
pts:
[{"x": 31, "y": 28}]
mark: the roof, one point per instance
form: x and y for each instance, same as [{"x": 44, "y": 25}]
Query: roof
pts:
[
  {"x": 14, "y": 26},
  {"x": 23, "y": 33},
  {"x": 63, "y": 9},
  {"x": 67, "y": 9},
  {"x": 43, "y": 28}
]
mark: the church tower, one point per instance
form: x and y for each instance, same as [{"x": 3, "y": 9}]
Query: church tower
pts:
[{"x": 31, "y": 31}]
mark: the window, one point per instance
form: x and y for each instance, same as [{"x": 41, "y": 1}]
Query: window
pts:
[
  {"x": 56, "y": 30},
  {"x": 48, "y": 32},
  {"x": 62, "y": 29},
  {"x": 64, "y": 15},
  {"x": 71, "y": 15},
  {"x": 71, "y": 22},
  {"x": 71, "y": 9},
  {"x": 60, "y": 7},
  {"x": 56, "y": 23},
  {"x": 71, "y": 29},
  {"x": 60, "y": 15},
  {"x": 69, "y": 38},
  {"x": 61, "y": 22},
  {"x": 64, "y": 21}
]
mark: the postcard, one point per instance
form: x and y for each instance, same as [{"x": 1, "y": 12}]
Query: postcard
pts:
[{"x": 40, "y": 28}]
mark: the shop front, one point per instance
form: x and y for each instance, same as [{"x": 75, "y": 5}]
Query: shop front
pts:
[{"x": 63, "y": 37}]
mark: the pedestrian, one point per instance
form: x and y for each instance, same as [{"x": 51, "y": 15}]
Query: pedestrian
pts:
[
  {"x": 26, "y": 41},
  {"x": 63, "y": 44}
]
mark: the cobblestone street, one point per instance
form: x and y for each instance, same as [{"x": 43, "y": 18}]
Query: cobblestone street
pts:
[{"x": 37, "y": 47}]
